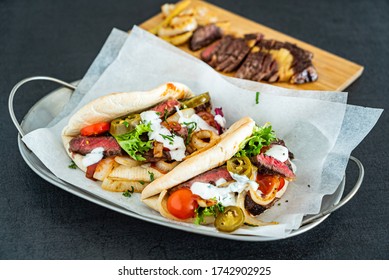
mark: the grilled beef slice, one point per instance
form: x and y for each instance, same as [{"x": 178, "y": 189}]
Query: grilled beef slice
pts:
[
  {"x": 227, "y": 54},
  {"x": 210, "y": 177},
  {"x": 204, "y": 35},
  {"x": 166, "y": 108},
  {"x": 258, "y": 66},
  {"x": 271, "y": 166},
  {"x": 289, "y": 63},
  {"x": 252, "y": 207},
  {"x": 84, "y": 145}
]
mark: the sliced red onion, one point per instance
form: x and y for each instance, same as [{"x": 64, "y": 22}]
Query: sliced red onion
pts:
[{"x": 219, "y": 111}]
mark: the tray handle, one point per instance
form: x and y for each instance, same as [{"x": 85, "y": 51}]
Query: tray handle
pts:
[
  {"x": 346, "y": 199},
  {"x": 22, "y": 82}
]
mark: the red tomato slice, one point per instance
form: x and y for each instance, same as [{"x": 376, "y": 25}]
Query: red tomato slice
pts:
[
  {"x": 282, "y": 183},
  {"x": 267, "y": 183},
  {"x": 95, "y": 129},
  {"x": 182, "y": 204}
]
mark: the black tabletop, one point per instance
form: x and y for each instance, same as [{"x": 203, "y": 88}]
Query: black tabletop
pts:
[{"x": 61, "y": 39}]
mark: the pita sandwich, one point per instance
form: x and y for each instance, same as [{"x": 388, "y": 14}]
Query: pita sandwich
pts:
[{"x": 230, "y": 184}]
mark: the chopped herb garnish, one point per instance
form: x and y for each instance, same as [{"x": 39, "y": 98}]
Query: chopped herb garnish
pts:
[
  {"x": 168, "y": 137},
  {"x": 158, "y": 113},
  {"x": 165, "y": 114},
  {"x": 126, "y": 123},
  {"x": 151, "y": 174},
  {"x": 257, "y": 97},
  {"x": 202, "y": 212},
  {"x": 251, "y": 146},
  {"x": 141, "y": 182},
  {"x": 309, "y": 186},
  {"x": 192, "y": 126},
  {"x": 128, "y": 193},
  {"x": 279, "y": 204},
  {"x": 72, "y": 165},
  {"x": 286, "y": 200}
]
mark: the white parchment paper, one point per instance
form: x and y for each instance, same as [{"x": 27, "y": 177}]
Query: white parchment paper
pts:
[{"x": 318, "y": 127}]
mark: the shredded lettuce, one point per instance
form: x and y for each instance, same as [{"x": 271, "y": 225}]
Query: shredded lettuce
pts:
[
  {"x": 132, "y": 144},
  {"x": 251, "y": 146}
]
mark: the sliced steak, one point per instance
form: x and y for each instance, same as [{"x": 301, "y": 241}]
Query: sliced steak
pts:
[
  {"x": 302, "y": 67},
  {"x": 166, "y": 108},
  {"x": 252, "y": 207},
  {"x": 207, "y": 54},
  {"x": 258, "y": 66},
  {"x": 205, "y": 35},
  {"x": 309, "y": 74},
  {"x": 255, "y": 209},
  {"x": 210, "y": 177},
  {"x": 269, "y": 165},
  {"x": 228, "y": 53},
  {"x": 85, "y": 144},
  {"x": 229, "y": 57},
  {"x": 282, "y": 143}
]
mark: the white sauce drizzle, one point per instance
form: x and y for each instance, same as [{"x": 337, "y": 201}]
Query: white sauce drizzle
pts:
[
  {"x": 93, "y": 157},
  {"x": 225, "y": 195},
  {"x": 171, "y": 141},
  {"x": 221, "y": 121},
  {"x": 278, "y": 152},
  {"x": 201, "y": 124}
]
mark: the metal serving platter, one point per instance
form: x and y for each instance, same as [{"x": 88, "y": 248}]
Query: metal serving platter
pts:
[{"x": 51, "y": 104}]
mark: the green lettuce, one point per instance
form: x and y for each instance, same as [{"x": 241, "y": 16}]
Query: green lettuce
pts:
[
  {"x": 133, "y": 145},
  {"x": 251, "y": 146}
]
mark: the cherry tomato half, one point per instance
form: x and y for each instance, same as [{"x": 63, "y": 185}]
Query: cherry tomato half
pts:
[
  {"x": 267, "y": 183},
  {"x": 182, "y": 204},
  {"x": 95, "y": 129},
  {"x": 282, "y": 183}
]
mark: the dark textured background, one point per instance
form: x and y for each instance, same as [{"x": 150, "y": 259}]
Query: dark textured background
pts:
[{"x": 61, "y": 39}]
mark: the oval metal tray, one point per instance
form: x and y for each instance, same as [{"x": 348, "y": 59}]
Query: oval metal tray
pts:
[{"x": 50, "y": 105}]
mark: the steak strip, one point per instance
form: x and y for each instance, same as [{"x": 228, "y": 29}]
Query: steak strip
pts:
[
  {"x": 261, "y": 63},
  {"x": 271, "y": 166},
  {"x": 227, "y": 54},
  {"x": 205, "y": 35},
  {"x": 209, "y": 177},
  {"x": 85, "y": 144}
]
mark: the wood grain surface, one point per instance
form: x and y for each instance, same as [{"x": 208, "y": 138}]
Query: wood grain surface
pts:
[{"x": 335, "y": 73}]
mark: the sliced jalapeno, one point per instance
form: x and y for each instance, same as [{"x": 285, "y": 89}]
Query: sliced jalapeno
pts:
[
  {"x": 196, "y": 101},
  {"x": 124, "y": 125},
  {"x": 241, "y": 166},
  {"x": 231, "y": 219}
]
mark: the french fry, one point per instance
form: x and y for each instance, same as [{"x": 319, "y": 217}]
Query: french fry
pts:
[{"x": 178, "y": 9}]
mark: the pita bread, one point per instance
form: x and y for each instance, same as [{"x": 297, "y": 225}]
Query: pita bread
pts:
[
  {"x": 115, "y": 105},
  {"x": 212, "y": 158}
]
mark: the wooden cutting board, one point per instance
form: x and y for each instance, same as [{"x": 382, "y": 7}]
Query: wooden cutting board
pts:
[{"x": 335, "y": 73}]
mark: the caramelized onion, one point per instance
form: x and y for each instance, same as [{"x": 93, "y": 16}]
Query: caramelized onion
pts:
[
  {"x": 164, "y": 167},
  {"x": 203, "y": 139}
]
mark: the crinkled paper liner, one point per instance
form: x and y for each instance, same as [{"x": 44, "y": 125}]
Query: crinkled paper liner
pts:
[{"x": 317, "y": 126}]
